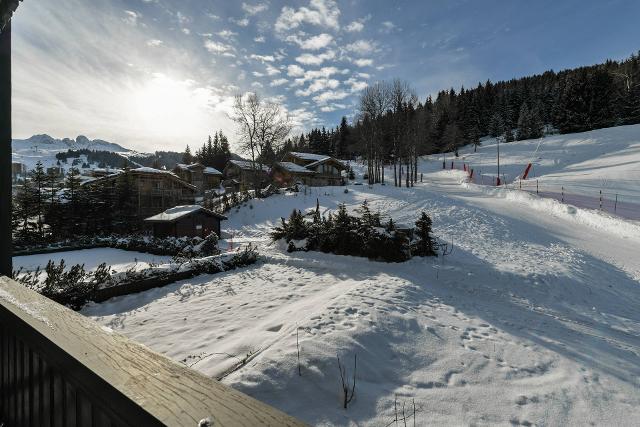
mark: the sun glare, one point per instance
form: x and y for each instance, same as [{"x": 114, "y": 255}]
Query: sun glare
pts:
[{"x": 171, "y": 108}]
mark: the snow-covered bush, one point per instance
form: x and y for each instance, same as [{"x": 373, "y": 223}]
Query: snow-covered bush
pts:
[
  {"x": 75, "y": 287},
  {"x": 344, "y": 234},
  {"x": 72, "y": 287},
  {"x": 184, "y": 246}
]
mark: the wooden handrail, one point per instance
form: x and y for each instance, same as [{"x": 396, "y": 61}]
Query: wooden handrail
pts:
[{"x": 58, "y": 367}]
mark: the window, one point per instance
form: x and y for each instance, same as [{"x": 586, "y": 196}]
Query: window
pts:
[{"x": 199, "y": 227}]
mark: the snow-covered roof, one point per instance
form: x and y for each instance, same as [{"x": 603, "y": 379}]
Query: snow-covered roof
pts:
[
  {"x": 146, "y": 169},
  {"x": 310, "y": 156},
  {"x": 246, "y": 165},
  {"x": 106, "y": 170},
  {"x": 321, "y": 161},
  {"x": 177, "y": 212},
  {"x": 211, "y": 171},
  {"x": 189, "y": 166},
  {"x": 292, "y": 167}
]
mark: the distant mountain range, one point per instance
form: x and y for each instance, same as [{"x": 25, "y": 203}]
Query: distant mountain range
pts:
[
  {"x": 44, "y": 148},
  {"x": 49, "y": 143}
]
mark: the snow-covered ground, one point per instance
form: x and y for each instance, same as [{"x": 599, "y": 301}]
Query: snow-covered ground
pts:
[
  {"x": 118, "y": 259},
  {"x": 532, "y": 319}
]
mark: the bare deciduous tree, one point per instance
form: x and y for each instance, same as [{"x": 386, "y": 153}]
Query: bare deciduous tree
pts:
[{"x": 262, "y": 127}]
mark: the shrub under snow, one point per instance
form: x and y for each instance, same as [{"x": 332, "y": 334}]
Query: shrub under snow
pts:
[{"x": 364, "y": 235}]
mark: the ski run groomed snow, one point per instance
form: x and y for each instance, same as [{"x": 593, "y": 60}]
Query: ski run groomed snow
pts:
[{"x": 533, "y": 319}]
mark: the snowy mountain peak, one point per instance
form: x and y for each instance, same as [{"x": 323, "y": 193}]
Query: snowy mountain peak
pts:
[
  {"x": 45, "y": 141},
  {"x": 41, "y": 139}
]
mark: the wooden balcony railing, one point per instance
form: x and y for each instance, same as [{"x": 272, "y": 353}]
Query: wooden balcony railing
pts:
[{"x": 59, "y": 368}]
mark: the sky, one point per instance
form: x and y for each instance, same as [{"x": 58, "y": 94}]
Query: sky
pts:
[{"x": 161, "y": 74}]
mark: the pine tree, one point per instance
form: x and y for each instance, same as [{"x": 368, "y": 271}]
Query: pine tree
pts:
[
  {"x": 425, "y": 244},
  {"x": 187, "y": 157},
  {"x": 524, "y": 121},
  {"x": 343, "y": 138},
  {"x": 342, "y": 231},
  {"x": 39, "y": 180},
  {"x": 24, "y": 208},
  {"x": 496, "y": 127}
]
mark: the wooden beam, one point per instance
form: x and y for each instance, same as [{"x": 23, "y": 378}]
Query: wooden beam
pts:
[
  {"x": 110, "y": 375},
  {"x": 5, "y": 151}
]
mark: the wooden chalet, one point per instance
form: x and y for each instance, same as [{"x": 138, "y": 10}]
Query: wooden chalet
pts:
[
  {"x": 327, "y": 170},
  {"x": 155, "y": 190},
  {"x": 285, "y": 174},
  {"x": 246, "y": 174},
  {"x": 203, "y": 177},
  {"x": 189, "y": 221}
]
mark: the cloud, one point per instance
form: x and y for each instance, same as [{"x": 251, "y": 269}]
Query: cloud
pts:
[
  {"x": 388, "y": 27},
  {"x": 321, "y": 13},
  {"x": 354, "y": 27},
  {"x": 330, "y": 95},
  {"x": 317, "y": 86},
  {"x": 262, "y": 58},
  {"x": 362, "y": 47},
  {"x": 182, "y": 19},
  {"x": 219, "y": 48},
  {"x": 357, "y": 25},
  {"x": 356, "y": 85},
  {"x": 131, "y": 17},
  {"x": 278, "y": 82},
  {"x": 227, "y": 34},
  {"x": 295, "y": 70},
  {"x": 316, "y": 42},
  {"x": 243, "y": 22},
  {"x": 301, "y": 119},
  {"x": 362, "y": 62},
  {"x": 186, "y": 31},
  {"x": 271, "y": 70},
  {"x": 259, "y": 39},
  {"x": 332, "y": 107},
  {"x": 253, "y": 9},
  {"x": 257, "y": 74},
  {"x": 154, "y": 43},
  {"x": 257, "y": 85},
  {"x": 315, "y": 59}
]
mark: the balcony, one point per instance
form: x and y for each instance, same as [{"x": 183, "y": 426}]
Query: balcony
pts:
[{"x": 60, "y": 368}]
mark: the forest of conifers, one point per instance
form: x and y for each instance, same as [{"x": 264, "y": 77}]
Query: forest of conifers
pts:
[{"x": 568, "y": 101}]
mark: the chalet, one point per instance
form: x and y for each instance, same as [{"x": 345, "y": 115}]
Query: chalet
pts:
[
  {"x": 101, "y": 172},
  {"x": 327, "y": 170},
  {"x": 285, "y": 174},
  {"x": 154, "y": 190},
  {"x": 18, "y": 170},
  {"x": 203, "y": 177},
  {"x": 188, "y": 220},
  {"x": 57, "y": 171},
  {"x": 247, "y": 173}
]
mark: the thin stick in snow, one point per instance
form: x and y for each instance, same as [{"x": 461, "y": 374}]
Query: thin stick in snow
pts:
[
  {"x": 346, "y": 393},
  {"x": 298, "y": 347}
]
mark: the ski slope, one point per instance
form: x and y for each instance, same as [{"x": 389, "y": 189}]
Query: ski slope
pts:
[
  {"x": 532, "y": 319},
  {"x": 582, "y": 163}
]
